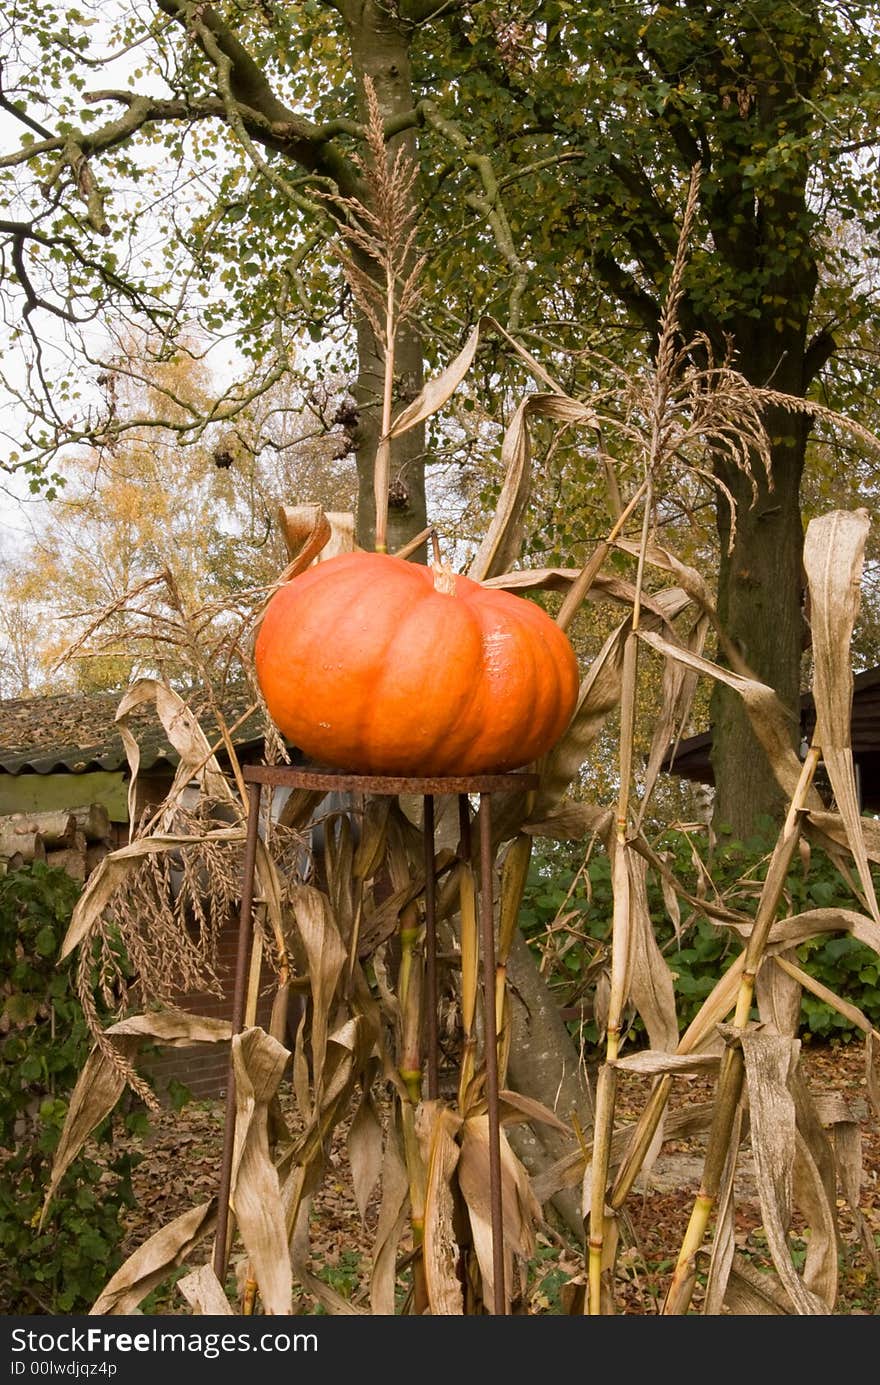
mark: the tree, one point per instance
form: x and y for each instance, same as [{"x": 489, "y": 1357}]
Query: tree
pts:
[
  {"x": 765, "y": 197},
  {"x": 141, "y": 504},
  {"x": 19, "y": 667},
  {"x": 552, "y": 147},
  {"x": 776, "y": 103}
]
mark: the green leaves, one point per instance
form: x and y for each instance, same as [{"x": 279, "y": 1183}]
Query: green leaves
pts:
[
  {"x": 43, "y": 1042},
  {"x": 567, "y": 909}
]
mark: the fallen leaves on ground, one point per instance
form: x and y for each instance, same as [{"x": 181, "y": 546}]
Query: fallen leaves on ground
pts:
[{"x": 181, "y": 1162}]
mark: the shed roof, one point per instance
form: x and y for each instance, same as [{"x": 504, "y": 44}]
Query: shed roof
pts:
[
  {"x": 691, "y": 760},
  {"x": 75, "y": 733}
]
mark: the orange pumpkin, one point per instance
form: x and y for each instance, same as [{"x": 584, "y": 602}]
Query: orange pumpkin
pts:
[{"x": 380, "y": 666}]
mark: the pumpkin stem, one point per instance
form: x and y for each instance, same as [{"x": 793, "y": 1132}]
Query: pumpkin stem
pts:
[{"x": 444, "y": 578}]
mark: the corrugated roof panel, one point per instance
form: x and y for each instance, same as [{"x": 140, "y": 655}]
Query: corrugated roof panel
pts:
[{"x": 76, "y": 733}]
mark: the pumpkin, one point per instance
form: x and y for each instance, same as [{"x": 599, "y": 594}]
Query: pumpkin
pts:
[{"x": 380, "y": 666}]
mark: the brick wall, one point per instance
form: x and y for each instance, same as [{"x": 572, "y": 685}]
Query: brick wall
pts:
[{"x": 204, "y": 1069}]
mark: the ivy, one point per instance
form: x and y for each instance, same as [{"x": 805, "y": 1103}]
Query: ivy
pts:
[
  {"x": 44, "y": 1042},
  {"x": 567, "y": 911}
]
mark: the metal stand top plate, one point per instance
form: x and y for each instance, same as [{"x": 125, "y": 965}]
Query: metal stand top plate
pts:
[{"x": 322, "y": 777}]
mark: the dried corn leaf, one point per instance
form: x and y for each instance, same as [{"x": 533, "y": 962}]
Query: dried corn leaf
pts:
[
  {"x": 836, "y": 1116},
  {"x": 834, "y": 550},
  {"x": 153, "y": 1261},
  {"x": 832, "y": 827},
  {"x": 770, "y": 722},
  {"x": 622, "y": 931},
  {"x": 514, "y": 1107},
  {"x": 204, "y": 1293},
  {"x": 817, "y": 1207},
  {"x": 348, "y": 1048},
  {"x": 101, "y": 1083},
  {"x": 338, "y": 866},
  {"x": 312, "y": 535},
  {"x": 112, "y": 870},
  {"x": 598, "y": 696},
  {"x": 501, "y": 545},
  {"x": 278, "y": 1016},
  {"x": 514, "y": 871},
  {"x": 470, "y": 961},
  {"x": 769, "y": 1061},
  {"x": 804, "y": 981},
  {"x": 306, "y": 531},
  {"x": 391, "y": 1221},
  {"x": 299, "y": 807},
  {"x": 572, "y": 821},
  {"x": 688, "y": 578},
  {"x": 651, "y": 989},
  {"x": 326, "y": 955},
  {"x": 520, "y": 1209},
  {"x": 259, "y": 1062},
  {"x": 679, "y": 686},
  {"x": 672, "y": 906},
  {"x": 98, "y": 1088},
  {"x": 813, "y": 922},
  {"x": 434, "y": 393},
  {"x": 539, "y": 371},
  {"x": 300, "y": 1075},
  {"x": 724, "y": 1240},
  {"x": 811, "y": 1128},
  {"x": 364, "y": 1145},
  {"x": 173, "y": 1028},
  {"x": 753, "y": 1292},
  {"x": 271, "y": 893},
  {"x": 440, "y": 1126},
  {"x": 702, "y": 1033},
  {"x": 778, "y": 994},
  {"x": 405, "y": 848},
  {"x": 373, "y": 836},
  {"x": 603, "y": 588},
  {"x": 342, "y": 538},
  {"x": 196, "y": 757},
  {"x": 380, "y": 921}
]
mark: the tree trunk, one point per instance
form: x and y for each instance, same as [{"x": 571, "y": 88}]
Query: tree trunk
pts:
[
  {"x": 543, "y": 1063},
  {"x": 380, "y": 51},
  {"x": 760, "y": 603},
  {"x": 407, "y": 506},
  {"x": 767, "y": 235}
]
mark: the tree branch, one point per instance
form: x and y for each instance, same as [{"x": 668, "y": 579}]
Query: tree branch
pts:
[
  {"x": 487, "y": 204},
  {"x": 641, "y": 304},
  {"x": 22, "y": 231},
  {"x": 265, "y": 117},
  {"x": 818, "y": 353},
  {"x": 21, "y": 115}
]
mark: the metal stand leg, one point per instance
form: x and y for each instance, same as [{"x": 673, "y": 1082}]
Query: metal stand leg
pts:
[
  {"x": 245, "y": 932},
  {"x": 431, "y": 998},
  {"x": 331, "y": 781},
  {"x": 487, "y": 947}
]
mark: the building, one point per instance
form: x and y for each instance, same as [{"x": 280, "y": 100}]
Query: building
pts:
[
  {"x": 64, "y": 781},
  {"x": 692, "y": 758}
]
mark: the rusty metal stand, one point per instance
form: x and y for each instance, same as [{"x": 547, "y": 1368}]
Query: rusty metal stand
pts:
[{"x": 484, "y": 785}]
